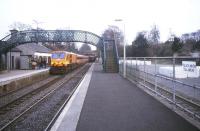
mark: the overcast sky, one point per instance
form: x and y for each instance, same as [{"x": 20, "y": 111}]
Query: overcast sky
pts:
[{"x": 179, "y": 16}]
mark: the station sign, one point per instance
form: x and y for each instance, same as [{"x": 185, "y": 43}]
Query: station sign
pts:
[
  {"x": 189, "y": 66},
  {"x": 190, "y": 69}
]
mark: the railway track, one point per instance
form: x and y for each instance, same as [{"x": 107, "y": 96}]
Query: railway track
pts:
[
  {"x": 19, "y": 93},
  {"x": 24, "y": 97},
  {"x": 58, "y": 90},
  {"x": 184, "y": 104}
]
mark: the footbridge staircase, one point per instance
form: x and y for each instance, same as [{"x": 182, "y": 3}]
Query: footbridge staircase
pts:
[{"x": 111, "y": 64}]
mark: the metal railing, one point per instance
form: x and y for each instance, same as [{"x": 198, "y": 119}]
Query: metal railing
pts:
[
  {"x": 115, "y": 49},
  {"x": 175, "y": 78}
]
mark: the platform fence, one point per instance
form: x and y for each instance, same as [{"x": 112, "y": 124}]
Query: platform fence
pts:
[{"x": 170, "y": 77}]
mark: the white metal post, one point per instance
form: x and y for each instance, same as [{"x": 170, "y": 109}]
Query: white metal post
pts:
[
  {"x": 144, "y": 71},
  {"x": 174, "y": 98},
  {"x": 194, "y": 87},
  {"x": 104, "y": 55},
  {"x": 124, "y": 58},
  {"x": 131, "y": 67},
  {"x": 124, "y": 52},
  {"x": 136, "y": 69},
  {"x": 156, "y": 76}
]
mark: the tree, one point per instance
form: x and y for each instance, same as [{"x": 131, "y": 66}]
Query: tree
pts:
[
  {"x": 196, "y": 46},
  {"x": 176, "y": 45},
  {"x": 140, "y": 41},
  {"x": 20, "y": 26},
  {"x": 163, "y": 49},
  {"x": 188, "y": 46},
  {"x": 72, "y": 47},
  {"x": 114, "y": 33},
  {"x": 84, "y": 48},
  {"x": 140, "y": 45},
  {"x": 154, "y": 35}
]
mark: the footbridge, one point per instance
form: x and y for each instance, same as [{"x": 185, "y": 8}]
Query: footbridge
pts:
[{"x": 106, "y": 47}]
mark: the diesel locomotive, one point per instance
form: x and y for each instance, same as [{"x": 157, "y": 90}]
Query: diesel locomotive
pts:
[{"x": 63, "y": 61}]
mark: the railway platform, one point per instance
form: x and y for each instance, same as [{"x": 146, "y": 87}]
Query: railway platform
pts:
[
  {"x": 108, "y": 102},
  {"x": 13, "y": 79},
  {"x": 9, "y": 75},
  {"x": 14, "y": 74}
]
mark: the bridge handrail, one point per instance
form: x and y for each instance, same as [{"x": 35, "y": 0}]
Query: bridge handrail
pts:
[{"x": 35, "y": 30}]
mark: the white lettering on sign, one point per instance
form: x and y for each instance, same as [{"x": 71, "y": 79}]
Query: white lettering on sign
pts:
[{"x": 189, "y": 66}]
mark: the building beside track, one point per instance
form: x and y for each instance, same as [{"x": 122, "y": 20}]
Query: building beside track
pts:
[{"x": 24, "y": 56}]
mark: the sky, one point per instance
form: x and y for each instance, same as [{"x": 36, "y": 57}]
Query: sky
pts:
[{"x": 175, "y": 16}]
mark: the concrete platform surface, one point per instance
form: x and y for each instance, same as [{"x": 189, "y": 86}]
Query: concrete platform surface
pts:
[
  {"x": 112, "y": 103},
  {"x": 18, "y": 74}
]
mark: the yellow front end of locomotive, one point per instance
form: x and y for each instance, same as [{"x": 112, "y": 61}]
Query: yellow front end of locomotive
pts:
[
  {"x": 59, "y": 59},
  {"x": 59, "y": 62}
]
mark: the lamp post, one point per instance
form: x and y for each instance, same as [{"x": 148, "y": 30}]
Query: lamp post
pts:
[{"x": 124, "y": 58}]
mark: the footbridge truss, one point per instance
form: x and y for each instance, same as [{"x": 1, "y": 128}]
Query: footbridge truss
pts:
[
  {"x": 30, "y": 36},
  {"x": 34, "y": 36}
]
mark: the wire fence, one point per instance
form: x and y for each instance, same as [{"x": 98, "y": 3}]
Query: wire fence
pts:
[{"x": 177, "y": 77}]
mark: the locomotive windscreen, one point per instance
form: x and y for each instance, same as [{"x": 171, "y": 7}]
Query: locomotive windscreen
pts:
[{"x": 58, "y": 56}]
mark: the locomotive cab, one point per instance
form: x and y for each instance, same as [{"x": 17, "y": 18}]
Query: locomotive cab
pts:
[
  {"x": 60, "y": 62},
  {"x": 63, "y": 61},
  {"x": 60, "y": 59}
]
